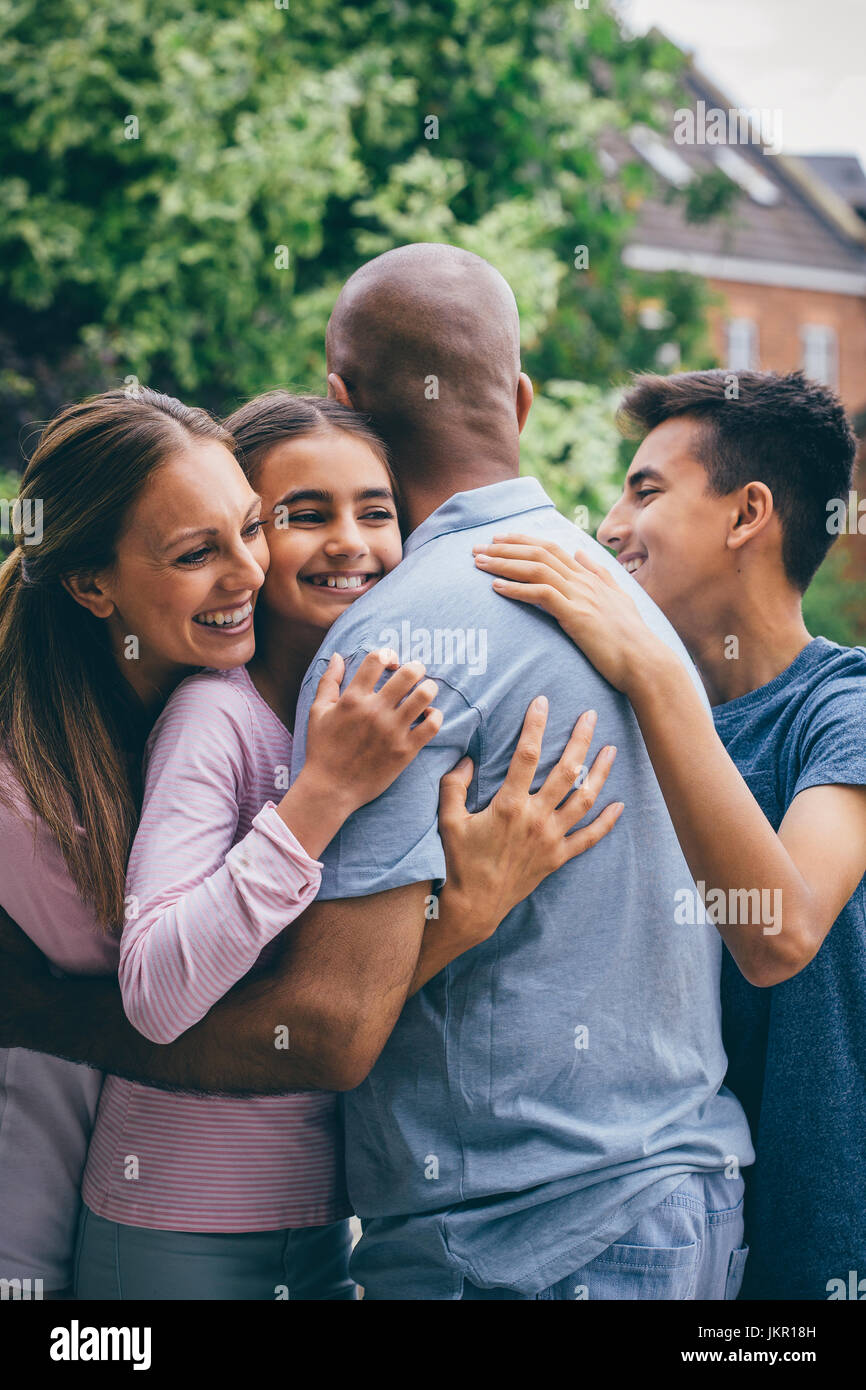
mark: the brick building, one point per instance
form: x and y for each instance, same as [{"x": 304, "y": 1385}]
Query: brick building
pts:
[{"x": 786, "y": 261}]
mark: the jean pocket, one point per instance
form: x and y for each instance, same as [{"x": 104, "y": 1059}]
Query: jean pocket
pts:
[
  {"x": 736, "y": 1270},
  {"x": 640, "y": 1272}
]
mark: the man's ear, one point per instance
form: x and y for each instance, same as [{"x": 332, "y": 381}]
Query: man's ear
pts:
[
  {"x": 525, "y": 397},
  {"x": 87, "y": 590},
  {"x": 755, "y": 510},
  {"x": 337, "y": 390}
]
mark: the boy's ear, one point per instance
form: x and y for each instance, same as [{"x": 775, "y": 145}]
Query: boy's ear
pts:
[
  {"x": 525, "y": 396},
  {"x": 87, "y": 590},
  {"x": 755, "y": 510},
  {"x": 337, "y": 390}
]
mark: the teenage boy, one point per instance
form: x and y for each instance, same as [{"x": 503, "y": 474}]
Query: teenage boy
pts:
[{"x": 723, "y": 520}]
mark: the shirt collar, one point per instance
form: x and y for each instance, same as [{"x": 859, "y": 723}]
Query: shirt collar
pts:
[{"x": 481, "y": 505}]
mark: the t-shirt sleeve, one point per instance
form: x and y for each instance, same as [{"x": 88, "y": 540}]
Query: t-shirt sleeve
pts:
[
  {"x": 393, "y": 841},
  {"x": 833, "y": 740}
]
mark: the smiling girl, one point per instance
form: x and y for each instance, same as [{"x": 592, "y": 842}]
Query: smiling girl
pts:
[{"x": 227, "y": 1197}]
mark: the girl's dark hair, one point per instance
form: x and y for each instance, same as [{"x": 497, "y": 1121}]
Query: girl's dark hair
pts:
[
  {"x": 278, "y": 415},
  {"x": 70, "y": 724},
  {"x": 785, "y": 431}
]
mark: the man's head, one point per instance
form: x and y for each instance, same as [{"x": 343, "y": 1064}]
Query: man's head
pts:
[
  {"x": 732, "y": 479},
  {"x": 426, "y": 340}
]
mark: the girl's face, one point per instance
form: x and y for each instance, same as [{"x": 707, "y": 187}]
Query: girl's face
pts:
[
  {"x": 189, "y": 564},
  {"x": 331, "y": 525}
]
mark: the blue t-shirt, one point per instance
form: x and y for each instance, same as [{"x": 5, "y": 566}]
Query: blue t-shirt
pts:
[
  {"x": 556, "y": 1082},
  {"x": 798, "y": 1050}
]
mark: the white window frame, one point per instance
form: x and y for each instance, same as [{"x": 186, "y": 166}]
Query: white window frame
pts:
[
  {"x": 742, "y": 352},
  {"x": 820, "y": 352}
]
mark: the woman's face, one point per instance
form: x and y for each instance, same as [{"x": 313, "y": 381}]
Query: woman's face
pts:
[
  {"x": 189, "y": 564},
  {"x": 331, "y": 525}
]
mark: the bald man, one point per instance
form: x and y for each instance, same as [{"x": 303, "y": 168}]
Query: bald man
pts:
[{"x": 547, "y": 1118}]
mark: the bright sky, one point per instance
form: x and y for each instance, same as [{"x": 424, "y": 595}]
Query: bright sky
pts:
[{"x": 803, "y": 58}]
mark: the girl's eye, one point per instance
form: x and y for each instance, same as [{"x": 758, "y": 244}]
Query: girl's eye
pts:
[
  {"x": 378, "y": 514},
  {"x": 254, "y": 528},
  {"x": 305, "y": 516}
]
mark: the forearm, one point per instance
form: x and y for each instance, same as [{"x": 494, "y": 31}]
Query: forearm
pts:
[
  {"x": 457, "y": 926},
  {"x": 345, "y": 977},
  {"x": 727, "y": 841},
  {"x": 317, "y": 1022},
  {"x": 231, "y": 1051}
]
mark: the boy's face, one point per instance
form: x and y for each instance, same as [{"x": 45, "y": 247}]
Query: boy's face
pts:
[{"x": 668, "y": 529}]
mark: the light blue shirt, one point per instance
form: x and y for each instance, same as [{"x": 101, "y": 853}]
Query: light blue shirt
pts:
[{"x": 553, "y": 1084}]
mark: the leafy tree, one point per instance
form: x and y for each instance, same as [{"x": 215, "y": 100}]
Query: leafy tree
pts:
[{"x": 161, "y": 154}]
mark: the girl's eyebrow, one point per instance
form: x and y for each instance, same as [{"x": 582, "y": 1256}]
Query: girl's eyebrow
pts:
[{"x": 317, "y": 494}]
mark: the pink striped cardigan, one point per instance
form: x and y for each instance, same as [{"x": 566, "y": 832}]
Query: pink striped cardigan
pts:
[{"x": 214, "y": 876}]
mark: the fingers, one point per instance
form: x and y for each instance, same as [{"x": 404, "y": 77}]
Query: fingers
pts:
[
  {"x": 543, "y": 596},
  {"x": 372, "y": 668},
  {"x": 416, "y": 702},
  {"x": 594, "y": 567},
  {"x": 547, "y": 549},
  {"x": 524, "y": 571},
  {"x": 589, "y": 835},
  {"x": 328, "y": 689},
  {"x": 564, "y": 776},
  {"x": 404, "y": 679},
  {"x": 453, "y": 788},
  {"x": 584, "y": 797},
  {"x": 524, "y": 760},
  {"x": 428, "y": 728},
  {"x": 539, "y": 563}
]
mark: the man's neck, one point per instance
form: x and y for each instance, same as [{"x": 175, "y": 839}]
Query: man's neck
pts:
[
  {"x": 745, "y": 643},
  {"x": 428, "y": 479}
]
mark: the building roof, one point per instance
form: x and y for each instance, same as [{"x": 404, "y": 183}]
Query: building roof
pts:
[
  {"x": 844, "y": 174},
  {"x": 792, "y": 228}
]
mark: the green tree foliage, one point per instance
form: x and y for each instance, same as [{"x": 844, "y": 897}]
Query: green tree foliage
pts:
[
  {"x": 184, "y": 187},
  {"x": 160, "y": 154}
]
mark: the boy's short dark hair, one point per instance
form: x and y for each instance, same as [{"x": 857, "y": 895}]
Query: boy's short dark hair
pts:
[{"x": 785, "y": 431}]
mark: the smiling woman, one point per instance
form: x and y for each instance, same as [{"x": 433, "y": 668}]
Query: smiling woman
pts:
[{"x": 84, "y": 610}]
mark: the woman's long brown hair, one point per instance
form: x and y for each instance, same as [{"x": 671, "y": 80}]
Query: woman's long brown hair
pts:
[{"x": 70, "y": 723}]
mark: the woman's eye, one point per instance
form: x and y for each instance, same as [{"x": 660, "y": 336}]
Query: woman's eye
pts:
[
  {"x": 254, "y": 528},
  {"x": 195, "y": 557},
  {"x": 378, "y": 514},
  {"x": 305, "y": 516}
]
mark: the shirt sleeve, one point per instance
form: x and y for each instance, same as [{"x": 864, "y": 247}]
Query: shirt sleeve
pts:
[
  {"x": 833, "y": 740},
  {"x": 201, "y": 908},
  {"x": 392, "y": 841},
  {"x": 38, "y": 892}
]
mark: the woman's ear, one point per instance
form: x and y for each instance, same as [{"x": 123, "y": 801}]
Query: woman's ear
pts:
[
  {"x": 337, "y": 390},
  {"x": 87, "y": 590}
]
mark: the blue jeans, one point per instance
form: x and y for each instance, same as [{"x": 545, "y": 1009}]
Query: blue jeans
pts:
[
  {"x": 688, "y": 1247},
  {"x": 122, "y": 1262}
]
